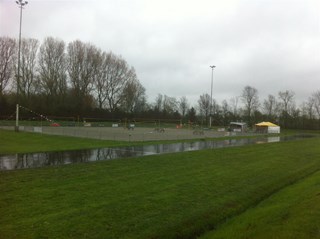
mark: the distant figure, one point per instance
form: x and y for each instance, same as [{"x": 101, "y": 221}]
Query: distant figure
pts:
[
  {"x": 159, "y": 130},
  {"x": 130, "y": 127}
]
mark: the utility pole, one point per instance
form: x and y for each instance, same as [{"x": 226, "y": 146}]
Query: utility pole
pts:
[
  {"x": 212, "y": 67},
  {"x": 21, "y": 4}
]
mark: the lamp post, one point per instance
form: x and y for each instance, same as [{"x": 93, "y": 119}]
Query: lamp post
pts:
[
  {"x": 212, "y": 67},
  {"x": 21, "y": 4}
]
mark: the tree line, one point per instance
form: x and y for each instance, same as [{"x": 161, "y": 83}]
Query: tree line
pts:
[{"x": 79, "y": 79}]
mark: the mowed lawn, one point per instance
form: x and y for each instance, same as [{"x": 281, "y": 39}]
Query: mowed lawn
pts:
[
  {"x": 293, "y": 212},
  {"x": 24, "y": 142},
  {"x": 181, "y": 195}
]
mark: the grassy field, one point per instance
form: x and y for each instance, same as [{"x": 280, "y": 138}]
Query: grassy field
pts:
[
  {"x": 24, "y": 142},
  {"x": 163, "y": 196},
  {"x": 293, "y": 212}
]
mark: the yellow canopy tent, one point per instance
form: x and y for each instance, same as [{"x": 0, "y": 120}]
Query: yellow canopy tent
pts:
[{"x": 267, "y": 127}]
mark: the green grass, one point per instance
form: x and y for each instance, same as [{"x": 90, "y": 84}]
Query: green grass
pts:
[
  {"x": 24, "y": 142},
  {"x": 293, "y": 212},
  {"x": 162, "y": 196}
]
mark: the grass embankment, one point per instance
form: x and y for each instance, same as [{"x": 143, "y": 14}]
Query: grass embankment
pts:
[
  {"x": 162, "y": 196},
  {"x": 293, "y": 212}
]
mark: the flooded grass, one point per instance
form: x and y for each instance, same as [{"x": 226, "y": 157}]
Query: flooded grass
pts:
[
  {"x": 179, "y": 195},
  {"x": 25, "y": 142},
  {"x": 56, "y": 158}
]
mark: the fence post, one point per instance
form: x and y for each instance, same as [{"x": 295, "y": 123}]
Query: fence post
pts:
[{"x": 17, "y": 118}]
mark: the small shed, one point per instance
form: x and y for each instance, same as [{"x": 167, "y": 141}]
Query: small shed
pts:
[
  {"x": 267, "y": 127},
  {"x": 237, "y": 127}
]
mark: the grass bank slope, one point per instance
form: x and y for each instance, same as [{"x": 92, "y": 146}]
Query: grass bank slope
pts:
[
  {"x": 162, "y": 196},
  {"x": 293, "y": 212}
]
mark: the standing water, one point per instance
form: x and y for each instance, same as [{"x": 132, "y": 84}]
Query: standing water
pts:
[{"x": 36, "y": 160}]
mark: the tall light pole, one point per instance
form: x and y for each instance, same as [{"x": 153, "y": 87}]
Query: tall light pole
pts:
[
  {"x": 212, "y": 67},
  {"x": 21, "y": 4}
]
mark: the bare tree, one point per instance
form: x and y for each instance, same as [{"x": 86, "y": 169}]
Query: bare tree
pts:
[
  {"x": 204, "y": 106},
  {"x": 271, "y": 107},
  {"x": 113, "y": 81},
  {"x": 52, "y": 69},
  {"x": 250, "y": 99},
  {"x": 7, "y": 53},
  {"x": 101, "y": 77},
  {"x": 287, "y": 98},
  {"x": 225, "y": 112},
  {"x": 183, "y": 106},
  {"x": 234, "y": 101},
  {"x": 29, "y": 49},
  {"x": 81, "y": 65},
  {"x": 118, "y": 75},
  {"x": 309, "y": 108},
  {"x": 316, "y": 103},
  {"x": 158, "y": 106},
  {"x": 287, "y": 101},
  {"x": 133, "y": 96},
  {"x": 170, "y": 104}
]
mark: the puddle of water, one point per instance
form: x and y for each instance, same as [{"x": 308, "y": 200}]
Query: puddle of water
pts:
[{"x": 36, "y": 160}]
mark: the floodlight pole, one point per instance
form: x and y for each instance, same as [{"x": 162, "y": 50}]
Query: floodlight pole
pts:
[
  {"x": 20, "y": 3},
  {"x": 17, "y": 118},
  {"x": 210, "y": 113}
]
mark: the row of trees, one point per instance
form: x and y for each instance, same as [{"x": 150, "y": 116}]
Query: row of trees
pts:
[{"x": 79, "y": 79}]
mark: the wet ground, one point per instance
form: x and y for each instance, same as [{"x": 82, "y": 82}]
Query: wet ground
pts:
[{"x": 34, "y": 160}]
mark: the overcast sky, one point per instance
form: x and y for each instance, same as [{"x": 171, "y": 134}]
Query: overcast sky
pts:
[{"x": 271, "y": 45}]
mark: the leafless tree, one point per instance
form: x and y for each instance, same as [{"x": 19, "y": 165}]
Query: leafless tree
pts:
[
  {"x": 287, "y": 99},
  {"x": 204, "y": 106},
  {"x": 100, "y": 82},
  {"x": 316, "y": 102},
  {"x": 308, "y": 108},
  {"x": 271, "y": 107},
  {"x": 170, "y": 104},
  {"x": 133, "y": 96},
  {"x": 158, "y": 105},
  {"x": 81, "y": 64},
  {"x": 119, "y": 74},
  {"x": 225, "y": 112},
  {"x": 52, "y": 68},
  {"x": 7, "y": 57},
  {"x": 250, "y": 99},
  {"x": 234, "y": 101},
  {"x": 28, "y": 61},
  {"x": 183, "y": 106}
]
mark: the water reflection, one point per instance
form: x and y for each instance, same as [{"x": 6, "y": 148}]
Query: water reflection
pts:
[{"x": 34, "y": 160}]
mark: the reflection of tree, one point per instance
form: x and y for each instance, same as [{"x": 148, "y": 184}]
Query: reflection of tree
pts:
[
  {"x": 104, "y": 154},
  {"x": 30, "y": 160},
  {"x": 52, "y": 158},
  {"x": 80, "y": 156}
]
